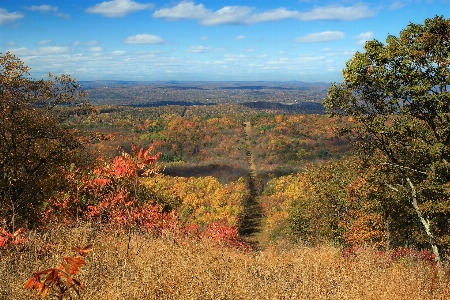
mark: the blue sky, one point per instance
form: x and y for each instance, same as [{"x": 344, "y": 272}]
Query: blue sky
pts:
[{"x": 217, "y": 40}]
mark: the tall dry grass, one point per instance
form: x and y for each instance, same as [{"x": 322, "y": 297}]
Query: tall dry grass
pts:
[{"x": 136, "y": 266}]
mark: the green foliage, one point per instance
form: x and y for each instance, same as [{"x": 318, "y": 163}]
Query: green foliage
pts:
[{"x": 398, "y": 93}]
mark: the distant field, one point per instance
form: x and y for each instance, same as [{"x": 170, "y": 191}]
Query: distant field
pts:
[{"x": 145, "y": 93}]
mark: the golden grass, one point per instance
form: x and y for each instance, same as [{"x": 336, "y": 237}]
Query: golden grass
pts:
[{"x": 168, "y": 269}]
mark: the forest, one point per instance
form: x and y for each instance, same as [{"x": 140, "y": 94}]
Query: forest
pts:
[{"x": 346, "y": 197}]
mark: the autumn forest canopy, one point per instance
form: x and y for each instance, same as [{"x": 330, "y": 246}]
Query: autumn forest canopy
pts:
[{"x": 353, "y": 165}]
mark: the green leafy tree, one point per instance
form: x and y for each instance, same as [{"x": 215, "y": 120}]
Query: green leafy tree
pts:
[
  {"x": 398, "y": 94},
  {"x": 33, "y": 144}
]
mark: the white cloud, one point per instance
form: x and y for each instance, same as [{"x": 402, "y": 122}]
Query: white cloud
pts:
[
  {"x": 119, "y": 52},
  {"x": 43, "y": 42},
  {"x": 96, "y": 49},
  {"x": 9, "y": 44},
  {"x": 325, "y": 36},
  {"x": 349, "y": 52},
  {"x": 204, "y": 38},
  {"x": 241, "y": 37},
  {"x": 42, "y": 8},
  {"x": 203, "y": 49},
  {"x": 6, "y": 17},
  {"x": 397, "y": 5},
  {"x": 187, "y": 10},
  {"x": 364, "y": 37},
  {"x": 61, "y": 15},
  {"x": 118, "y": 8},
  {"x": 91, "y": 43},
  {"x": 275, "y": 15},
  {"x": 338, "y": 13},
  {"x": 183, "y": 10},
  {"x": 47, "y": 8},
  {"x": 281, "y": 61},
  {"x": 231, "y": 15},
  {"x": 199, "y": 49},
  {"x": 243, "y": 15},
  {"x": 234, "y": 57},
  {"x": 50, "y": 50},
  {"x": 144, "y": 39}
]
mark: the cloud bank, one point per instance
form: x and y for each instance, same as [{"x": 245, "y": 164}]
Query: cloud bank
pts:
[{"x": 244, "y": 15}]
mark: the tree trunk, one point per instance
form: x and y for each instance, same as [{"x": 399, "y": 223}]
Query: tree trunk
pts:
[
  {"x": 425, "y": 223},
  {"x": 387, "y": 231}
]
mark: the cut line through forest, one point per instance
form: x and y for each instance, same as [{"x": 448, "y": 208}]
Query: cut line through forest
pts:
[{"x": 250, "y": 226}]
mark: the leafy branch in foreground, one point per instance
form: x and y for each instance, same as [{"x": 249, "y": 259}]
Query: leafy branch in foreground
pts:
[{"x": 61, "y": 280}]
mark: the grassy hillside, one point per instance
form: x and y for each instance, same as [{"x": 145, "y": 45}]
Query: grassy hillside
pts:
[
  {"x": 311, "y": 222},
  {"x": 137, "y": 266}
]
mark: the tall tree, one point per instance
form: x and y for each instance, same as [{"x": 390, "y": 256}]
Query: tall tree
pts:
[
  {"x": 399, "y": 94},
  {"x": 33, "y": 144}
]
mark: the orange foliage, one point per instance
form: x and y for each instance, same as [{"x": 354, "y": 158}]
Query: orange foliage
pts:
[
  {"x": 60, "y": 281},
  {"x": 111, "y": 194},
  {"x": 15, "y": 238},
  {"x": 116, "y": 197}
]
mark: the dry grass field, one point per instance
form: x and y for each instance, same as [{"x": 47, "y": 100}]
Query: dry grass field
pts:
[{"x": 124, "y": 266}]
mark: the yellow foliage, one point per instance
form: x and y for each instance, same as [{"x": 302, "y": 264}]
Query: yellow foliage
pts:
[{"x": 204, "y": 200}]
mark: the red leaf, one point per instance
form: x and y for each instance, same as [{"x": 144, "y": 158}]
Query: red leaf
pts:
[{"x": 30, "y": 283}]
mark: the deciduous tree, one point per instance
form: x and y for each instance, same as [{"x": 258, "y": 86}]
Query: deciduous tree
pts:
[
  {"x": 33, "y": 144},
  {"x": 399, "y": 93}
]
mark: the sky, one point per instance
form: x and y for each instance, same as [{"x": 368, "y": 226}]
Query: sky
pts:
[{"x": 201, "y": 40}]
